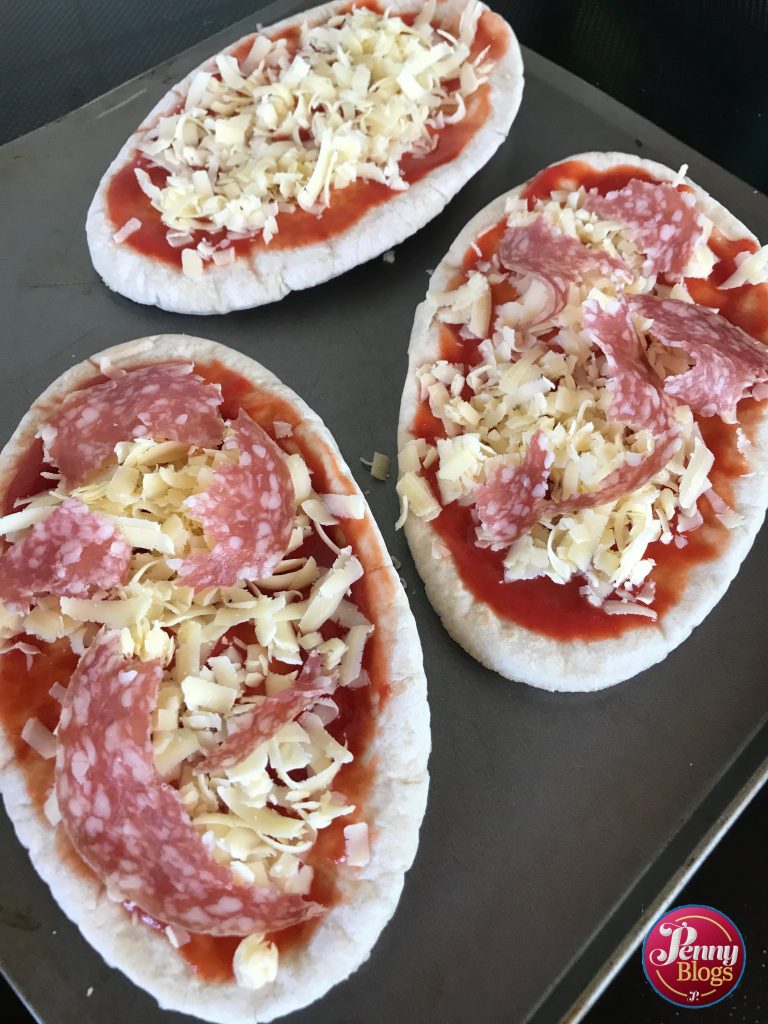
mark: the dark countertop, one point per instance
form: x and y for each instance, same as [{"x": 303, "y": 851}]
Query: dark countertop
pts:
[{"x": 696, "y": 69}]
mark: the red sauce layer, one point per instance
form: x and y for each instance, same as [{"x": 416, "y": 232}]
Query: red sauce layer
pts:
[
  {"x": 559, "y": 611},
  {"x": 573, "y": 174},
  {"x": 348, "y": 205},
  {"x": 24, "y": 690}
]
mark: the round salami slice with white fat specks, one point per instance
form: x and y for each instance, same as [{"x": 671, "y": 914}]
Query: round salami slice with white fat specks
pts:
[
  {"x": 72, "y": 553},
  {"x": 638, "y": 392},
  {"x": 252, "y": 728},
  {"x": 511, "y": 501},
  {"x": 662, "y": 221},
  {"x": 165, "y": 401},
  {"x": 248, "y": 510},
  {"x": 128, "y": 825},
  {"x": 728, "y": 364},
  {"x": 555, "y": 259}
]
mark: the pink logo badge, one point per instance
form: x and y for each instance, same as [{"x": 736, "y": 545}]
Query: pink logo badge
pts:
[{"x": 694, "y": 956}]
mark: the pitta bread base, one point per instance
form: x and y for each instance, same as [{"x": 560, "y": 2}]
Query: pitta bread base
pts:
[
  {"x": 502, "y": 645},
  {"x": 266, "y": 275},
  {"x": 394, "y": 806}
]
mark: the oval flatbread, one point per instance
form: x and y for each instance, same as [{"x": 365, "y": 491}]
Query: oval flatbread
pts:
[
  {"x": 302, "y": 151},
  {"x": 579, "y": 488},
  {"x": 326, "y": 836}
]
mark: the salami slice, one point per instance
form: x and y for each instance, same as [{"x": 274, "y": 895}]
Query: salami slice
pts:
[
  {"x": 638, "y": 392},
  {"x": 662, "y": 221},
  {"x": 555, "y": 259},
  {"x": 129, "y": 826},
  {"x": 248, "y": 510},
  {"x": 248, "y": 731},
  {"x": 72, "y": 553},
  {"x": 629, "y": 477},
  {"x": 513, "y": 499},
  {"x": 727, "y": 363},
  {"x": 165, "y": 401}
]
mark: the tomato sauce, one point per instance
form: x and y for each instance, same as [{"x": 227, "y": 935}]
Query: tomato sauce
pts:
[
  {"x": 24, "y": 689},
  {"x": 560, "y": 611},
  {"x": 573, "y": 174},
  {"x": 125, "y": 200},
  {"x": 27, "y": 479},
  {"x": 291, "y": 34},
  {"x": 747, "y": 306}
]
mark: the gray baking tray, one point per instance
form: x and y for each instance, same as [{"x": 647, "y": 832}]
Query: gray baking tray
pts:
[{"x": 556, "y": 824}]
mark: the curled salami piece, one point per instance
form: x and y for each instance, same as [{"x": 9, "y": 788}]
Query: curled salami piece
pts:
[
  {"x": 72, "y": 553},
  {"x": 165, "y": 401},
  {"x": 248, "y": 510},
  {"x": 254, "y": 727},
  {"x": 728, "y": 363},
  {"x": 515, "y": 495},
  {"x": 638, "y": 393},
  {"x": 128, "y": 825},
  {"x": 631, "y": 476},
  {"x": 514, "y": 500},
  {"x": 662, "y": 221},
  {"x": 555, "y": 259}
]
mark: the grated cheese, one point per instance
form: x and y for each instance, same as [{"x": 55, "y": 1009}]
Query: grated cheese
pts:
[
  {"x": 328, "y": 591},
  {"x": 14, "y": 522},
  {"x": 51, "y": 808},
  {"x": 283, "y": 129},
  {"x": 751, "y": 268},
  {"x": 468, "y": 304},
  {"x": 344, "y": 506},
  {"x": 115, "y": 614},
  {"x": 378, "y": 466},
  {"x": 416, "y": 497},
  {"x": 255, "y": 962},
  {"x": 129, "y": 228},
  {"x": 39, "y": 738},
  {"x": 177, "y": 936},
  {"x": 191, "y": 264},
  {"x": 356, "y": 844},
  {"x": 202, "y": 694}
]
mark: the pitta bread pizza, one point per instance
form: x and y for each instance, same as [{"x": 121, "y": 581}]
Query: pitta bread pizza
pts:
[
  {"x": 303, "y": 150},
  {"x": 214, "y": 730},
  {"x": 583, "y": 439}
]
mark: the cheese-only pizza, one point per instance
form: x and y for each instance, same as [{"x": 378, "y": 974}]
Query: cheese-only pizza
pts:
[
  {"x": 583, "y": 433},
  {"x": 213, "y": 721},
  {"x": 303, "y": 150}
]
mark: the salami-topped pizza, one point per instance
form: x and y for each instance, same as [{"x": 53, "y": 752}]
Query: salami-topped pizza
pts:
[
  {"x": 583, "y": 436},
  {"x": 214, "y": 729},
  {"x": 303, "y": 150}
]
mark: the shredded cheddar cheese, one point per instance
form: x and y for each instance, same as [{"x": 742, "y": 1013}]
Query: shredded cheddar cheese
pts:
[{"x": 283, "y": 128}]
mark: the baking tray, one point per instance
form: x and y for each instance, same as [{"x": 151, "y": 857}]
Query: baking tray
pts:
[{"x": 556, "y": 823}]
